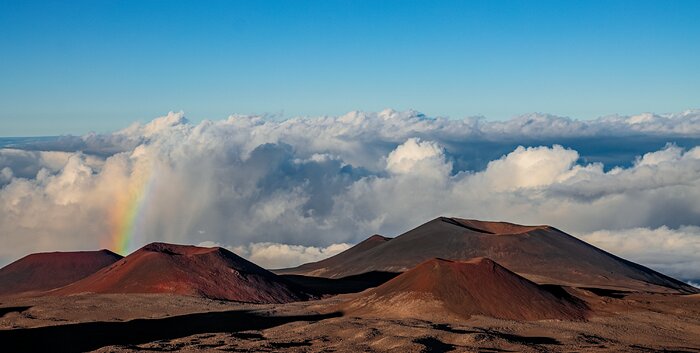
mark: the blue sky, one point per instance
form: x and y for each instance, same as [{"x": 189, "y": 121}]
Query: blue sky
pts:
[{"x": 79, "y": 66}]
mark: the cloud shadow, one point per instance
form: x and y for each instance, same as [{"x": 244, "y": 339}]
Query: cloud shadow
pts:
[{"x": 88, "y": 336}]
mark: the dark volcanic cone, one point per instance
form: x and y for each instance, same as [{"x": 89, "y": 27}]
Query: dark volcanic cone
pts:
[
  {"x": 332, "y": 266},
  {"x": 542, "y": 254},
  {"x": 478, "y": 286},
  {"x": 189, "y": 270},
  {"x": 44, "y": 271}
]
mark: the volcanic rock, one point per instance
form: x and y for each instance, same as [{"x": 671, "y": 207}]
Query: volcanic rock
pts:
[
  {"x": 214, "y": 273},
  {"x": 542, "y": 254},
  {"x": 479, "y": 286},
  {"x": 44, "y": 271}
]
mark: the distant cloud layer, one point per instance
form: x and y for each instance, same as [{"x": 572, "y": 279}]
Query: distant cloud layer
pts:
[
  {"x": 276, "y": 255},
  {"x": 286, "y": 192}
]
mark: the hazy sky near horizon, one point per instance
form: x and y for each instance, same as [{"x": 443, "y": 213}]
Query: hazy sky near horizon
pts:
[{"x": 70, "y": 67}]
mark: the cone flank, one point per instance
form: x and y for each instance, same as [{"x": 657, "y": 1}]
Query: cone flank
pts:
[
  {"x": 45, "y": 271},
  {"x": 542, "y": 254},
  {"x": 477, "y": 286},
  {"x": 214, "y": 273}
]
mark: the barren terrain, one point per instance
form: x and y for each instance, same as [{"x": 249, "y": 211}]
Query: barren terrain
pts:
[
  {"x": 423, "y": 291},
  {"x": 172, "y": 323}
]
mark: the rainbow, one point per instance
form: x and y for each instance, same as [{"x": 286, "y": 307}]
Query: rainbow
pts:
[{"x": 128, "y": 212}]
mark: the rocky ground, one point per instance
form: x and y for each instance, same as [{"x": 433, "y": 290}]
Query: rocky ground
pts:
[{"x": 170, "y": 323}]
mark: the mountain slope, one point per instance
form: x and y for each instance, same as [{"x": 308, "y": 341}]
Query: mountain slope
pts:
[
  {"x": 542, "y": 254},
  {"x": 332, "y": 266},
  {"x": 463, "y": 288},
  {"x": 189, "y": 270},
  {"x": 44, "y": 271}
]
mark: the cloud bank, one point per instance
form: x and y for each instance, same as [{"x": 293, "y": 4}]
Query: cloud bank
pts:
[
  {"x": 256, "y": 184},
  {"x": 276, "y": 255}
]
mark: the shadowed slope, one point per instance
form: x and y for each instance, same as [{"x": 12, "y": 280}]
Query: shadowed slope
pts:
[
  {"x": 189, "y": 270},
  {"x": 542, "y": 254},
  {"x": 330, "y": 286},
  {"x": 475, "y": 287},
  {"x": 45, "y": 271},
  {"x": 332, "y": 266}
]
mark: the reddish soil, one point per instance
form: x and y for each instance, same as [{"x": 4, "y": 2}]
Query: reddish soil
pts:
[
  {"x": 44, "y": 271},
  {"x": 214, "y": 273},
  {"x": 478, "y": 286},
  {"x": 542, "y": 254}
]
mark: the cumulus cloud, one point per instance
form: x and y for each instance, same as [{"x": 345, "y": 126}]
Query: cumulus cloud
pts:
[
  {"x": 417, "y": 157},
  {"x": 668, "y": 250},
  {"x": 257, "y": 184},
  {"x": 529, "y": 168},
  {"x": 276, "y": 255},
  {"x": 684, "y": 123}
]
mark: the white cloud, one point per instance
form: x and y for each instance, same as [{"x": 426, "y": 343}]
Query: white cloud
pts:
[
  {"x": 529, "y": 168},
  {"x": 668, "y": 250},
  {"x": 418, "y": 157},
  {"x": 335, "y": 180},
  {"x": 668, "y": 154},
  {"x": 276, "y": 255}
]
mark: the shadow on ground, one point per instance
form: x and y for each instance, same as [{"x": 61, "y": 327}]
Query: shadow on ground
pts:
[
  {"x": 13, "y": 309},
  {"x": 610, "y": 293},
  {"x": 93, "y": 335},
  {"x": 433, "y": 345},
  {"x": 349, "y": 284}
]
